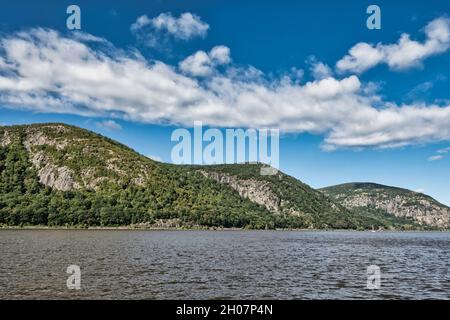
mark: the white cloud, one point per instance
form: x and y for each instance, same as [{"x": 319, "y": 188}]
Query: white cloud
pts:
[
  {"x": 109, "y": 125},
  {"x": 87, "y": 37},
  {"x": 406, "y": 53},
  {"x": 420, "y": 91},
  {"x": 435, "y": 158},
  {"x": 203, "y": 64},
  {"x": 319, "y": 70},
  {"x": 184, "y": 27},
  {"x": 420, "y": 190},
  {"x": 43, "y": 71},
  {"x": 198, "y": 64},
  {"x": 220, "y": 55},
  {"x": 444, "y": 151},
  {"x": 440, "y": 154},
  {"x": 141, "y": 22},
  {"x": 361, "y": 57}
]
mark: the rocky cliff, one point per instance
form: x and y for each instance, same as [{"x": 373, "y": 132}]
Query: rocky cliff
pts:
[
  {"x": 394, "y": 201},
  {"x": 255, "y": 190},
  {"x": 58, "y": 174}
]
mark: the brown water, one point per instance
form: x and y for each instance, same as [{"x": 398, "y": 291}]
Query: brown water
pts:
[{"x": 223, "y": 264}]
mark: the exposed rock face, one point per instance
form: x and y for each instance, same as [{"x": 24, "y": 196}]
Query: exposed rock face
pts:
[
  {"x": 5, "y": 139},
  {"x": 398, "y": 202},
  {"x": 425, "y": 211},
  {"x": 254, "y": 190},
  {"x": 59, "y": 178},
  {"x": 38, "y": 138},
  {"x": 68, "y": 158}
]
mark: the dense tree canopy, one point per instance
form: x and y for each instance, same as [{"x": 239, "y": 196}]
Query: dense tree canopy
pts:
[{"x": 168, "y": 191}]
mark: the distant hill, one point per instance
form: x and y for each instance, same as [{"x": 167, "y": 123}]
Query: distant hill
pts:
[
  {"x": 374, "y": 199},
  {"x": 60, "y": 175}
]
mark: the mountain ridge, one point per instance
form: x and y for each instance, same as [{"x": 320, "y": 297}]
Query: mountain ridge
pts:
[
  {"x": 58, "y": 174},
  {"x": 369, "y": 197}
]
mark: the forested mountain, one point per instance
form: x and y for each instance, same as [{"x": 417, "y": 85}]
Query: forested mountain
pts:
[
  {"x": 60, "y": 175},
  {"x": 371, "y": 199}
]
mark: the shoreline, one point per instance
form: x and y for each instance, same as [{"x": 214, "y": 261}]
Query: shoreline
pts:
[{"x": 132, "y": 228}]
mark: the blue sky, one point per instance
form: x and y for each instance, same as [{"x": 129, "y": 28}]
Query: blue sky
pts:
[{"x": 378, "y": 115}]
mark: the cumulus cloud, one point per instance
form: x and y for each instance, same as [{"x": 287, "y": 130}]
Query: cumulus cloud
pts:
[
  {"x": 319, "y": 70},
  {"x": 44, "y": 71},
  {"x": 203, "y": 64},
  {"x": 406, "y": 53},
  {"x": 109, "y": 125},
  {"x": 184, "y": 27}
]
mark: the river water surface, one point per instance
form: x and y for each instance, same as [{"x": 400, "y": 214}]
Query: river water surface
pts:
[{"x": 223, "y": 264}]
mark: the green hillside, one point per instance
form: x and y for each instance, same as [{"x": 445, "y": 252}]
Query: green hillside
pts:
[
  {"x": 61, "y": 175},
  {"x": 397, "y": 205}
]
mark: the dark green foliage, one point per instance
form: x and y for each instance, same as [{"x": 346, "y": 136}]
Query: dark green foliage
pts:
[
  {"x": 375, "y": 216},
  {"x": 172, "y": 192},
  {"x": 312, "y": 208},
  {"x": 167, "y": 192}
]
